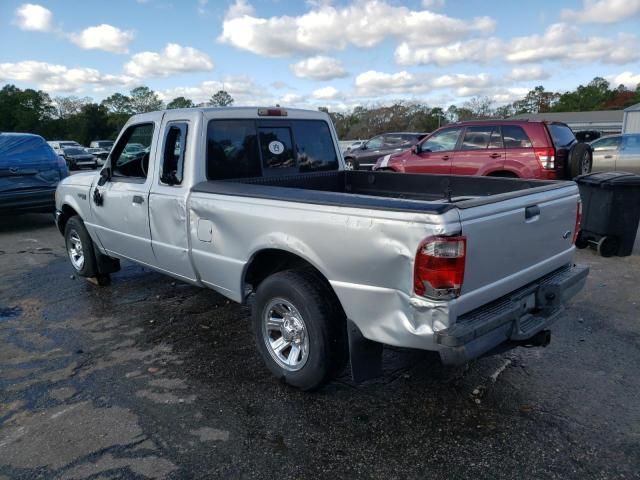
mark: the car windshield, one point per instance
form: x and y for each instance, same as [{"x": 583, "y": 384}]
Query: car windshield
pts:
[{"x": 74, "y": 151}]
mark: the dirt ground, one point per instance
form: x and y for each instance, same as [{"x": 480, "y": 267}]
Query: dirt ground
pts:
[{"x": 151, "y": 378}]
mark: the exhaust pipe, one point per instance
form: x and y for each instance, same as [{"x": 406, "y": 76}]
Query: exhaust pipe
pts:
[{"x": 540, "y": 339}]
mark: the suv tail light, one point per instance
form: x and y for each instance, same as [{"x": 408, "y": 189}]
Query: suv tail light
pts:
[
  {"x": 439, "y": 267},
  {"x": 576, "y": 229},
  {"x": 546, "y": 157}
]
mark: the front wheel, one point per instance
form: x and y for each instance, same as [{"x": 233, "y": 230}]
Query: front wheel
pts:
[
  {"x": 299, "y": 328},
  {"x": 80, "y": 248}
]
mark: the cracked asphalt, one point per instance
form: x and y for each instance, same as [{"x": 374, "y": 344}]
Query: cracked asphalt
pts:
[{"x": 151, "y": 378}]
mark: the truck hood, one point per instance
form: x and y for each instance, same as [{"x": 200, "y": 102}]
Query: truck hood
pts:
[{"x": 83, "y": 179}]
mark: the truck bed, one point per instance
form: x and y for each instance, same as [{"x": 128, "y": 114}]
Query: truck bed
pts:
[{"x": 381, "y": 190}]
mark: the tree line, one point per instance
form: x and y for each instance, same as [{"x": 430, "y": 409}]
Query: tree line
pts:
[
  {"x": 80, "y": 118},
  {"x": 83, "y": 120}
]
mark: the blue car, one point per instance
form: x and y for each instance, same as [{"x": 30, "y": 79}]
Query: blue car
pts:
[{"x": 29, "y": 173}]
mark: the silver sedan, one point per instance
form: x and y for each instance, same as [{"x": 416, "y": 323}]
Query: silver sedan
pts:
[{"x": 617, "y": 152}]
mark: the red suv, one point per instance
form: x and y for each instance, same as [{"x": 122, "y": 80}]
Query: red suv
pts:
[{"x": 499, "y": 148}]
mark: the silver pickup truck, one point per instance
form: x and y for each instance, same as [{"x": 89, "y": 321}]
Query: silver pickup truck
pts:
[{"x": 255, "y": 204}]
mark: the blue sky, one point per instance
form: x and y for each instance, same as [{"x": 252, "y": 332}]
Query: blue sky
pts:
[{"x": 319, "y": 53}]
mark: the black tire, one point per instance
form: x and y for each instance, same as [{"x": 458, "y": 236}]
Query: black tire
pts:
[
  {"x": 581, "y": 242},
  {"x": 75, "y": 225},
  {"x": 608, "y": 246},
  {"x": 351, "y": 163},
  {"x": 503, "y": 174},
  {"x": 580, "y": 160},
  {"x": 322, "y": 316}
]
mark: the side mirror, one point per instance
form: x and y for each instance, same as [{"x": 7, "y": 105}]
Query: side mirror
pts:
[
  {"x": 105, "y": 176},
  {"x": 363, "y": 146},
  {"x": 415, "y": 149}
]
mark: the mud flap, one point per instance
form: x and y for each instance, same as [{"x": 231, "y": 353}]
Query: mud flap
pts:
[{"x": 365, "y": 355}]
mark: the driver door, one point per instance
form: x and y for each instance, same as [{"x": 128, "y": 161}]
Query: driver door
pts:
[
  {"x": 122, "y": 217},
  {"x": 435, "y": 154}
]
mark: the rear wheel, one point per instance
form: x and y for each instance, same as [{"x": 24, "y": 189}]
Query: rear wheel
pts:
[
  {"x": 350, "y": 163},
  {"x": 580, "y": 160},
  {"x": 299, "y": 328}
]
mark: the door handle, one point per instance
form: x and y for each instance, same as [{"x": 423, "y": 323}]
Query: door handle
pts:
[
  {"x": 608, "y": 156},
  {"x": 532, "y": 211},
  {"x": 138, "y": 199},
  {"x": 495, "y": 155},
  {"x": 445, "y": 157}
]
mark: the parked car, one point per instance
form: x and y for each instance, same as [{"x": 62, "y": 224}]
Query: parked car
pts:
[
  {"x": 365, "y": 156},
  {"x": 497, "y": 148},
  {"x": 617, "y": 152},
  {"x": 103, "y": 144},
  {"x": 353, "y": 146},
  {"x": 100, "y": 153},
  {"x": 252, "y": 203},
  {"x": 58, "y": 145},
  {"x": 29, "y": 173},
  {"x": 78, "y": 157}
]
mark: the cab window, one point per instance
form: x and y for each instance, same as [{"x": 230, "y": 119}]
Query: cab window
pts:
[
  {"x": 607, "y": 143},
  {"x": 481, "y": 137},
  {"x": 130, "y": 157},
  {"x": 175, "y": 144}
]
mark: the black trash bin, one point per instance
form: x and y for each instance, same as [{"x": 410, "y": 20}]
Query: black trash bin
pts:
[{"x": 610, "y": 212}]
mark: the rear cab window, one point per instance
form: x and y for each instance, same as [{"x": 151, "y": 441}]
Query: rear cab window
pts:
[
  {"x": 251, "y": 148},
  {"x": 561, "y": 134},
  {"x": 175, "y": 145}
]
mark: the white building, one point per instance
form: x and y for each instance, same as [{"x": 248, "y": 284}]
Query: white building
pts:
[{"x": 631, "y": 119}]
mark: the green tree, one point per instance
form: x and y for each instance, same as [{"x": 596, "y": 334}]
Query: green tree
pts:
[
  {"x": 24, "y": 110},
  {"x": 67, "y": 106},
  {"x": 221, "y": 99},
  {"x": 593, "y": 96},
  {"x": 537, "y": 100},
  {"x": 143, "y": 100},
  {"x": 180, "y": 102},
  {"x": 118, "y": 103},
  {"x": 91, "y": 123}
]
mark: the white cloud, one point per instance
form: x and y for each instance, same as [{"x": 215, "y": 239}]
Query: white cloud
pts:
[
  {"x": 173, "y": 59},
  {"x": 103, "y": 37},
  {"x": 603, "y": 11},
  {"x": 243, "y": 90},
  {"x": 628, "y": 79},
  {"x": 292, "y": 99},
  {"x": 319, "y": 68},
  {"x": 535, "y": 72},
  {"x": 478, "y": 50},
  {"x": 59, "y": 78},
  {"x": 30, "y": 16},
  {"x": 563, "y": 42},
  {"x": 364, "y": 23},
  {"x": 374, "y": 83},
  {"x": 326, "y": 93}
]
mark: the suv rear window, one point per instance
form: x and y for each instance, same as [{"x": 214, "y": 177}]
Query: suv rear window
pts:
[
  {"x": 250, "y": 148},
  {"x": 562, "y": 135}
]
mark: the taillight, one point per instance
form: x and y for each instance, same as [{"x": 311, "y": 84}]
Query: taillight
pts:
[
  {"x": 439, "y": 267},
  {"x": 546, "y": 157},
  {"x": 576, "y": 229}
]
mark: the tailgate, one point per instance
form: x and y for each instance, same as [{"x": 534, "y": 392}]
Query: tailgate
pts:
[{"x": 516, "y": 241}]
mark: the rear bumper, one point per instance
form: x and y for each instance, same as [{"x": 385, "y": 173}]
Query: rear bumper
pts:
[
  {"x": 514, "y": 318},
  {"x": 22, "y": 201}
]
